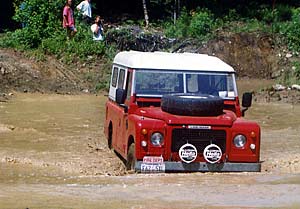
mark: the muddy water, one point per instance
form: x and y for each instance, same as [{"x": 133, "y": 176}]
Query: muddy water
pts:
[{"x": 53, "y": 154}]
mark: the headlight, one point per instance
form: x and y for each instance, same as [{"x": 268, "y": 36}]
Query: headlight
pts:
[
  {"x": 239, "y": 141},
  {"x": 157, "y": 139}
]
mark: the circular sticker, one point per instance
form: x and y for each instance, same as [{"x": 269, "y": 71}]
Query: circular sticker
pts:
[
  {"x": 188, "y": 153},
  {"x": 212, "y": 153}
]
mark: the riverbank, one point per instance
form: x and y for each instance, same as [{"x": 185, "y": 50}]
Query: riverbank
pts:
[{"x": 252, "y": 55}]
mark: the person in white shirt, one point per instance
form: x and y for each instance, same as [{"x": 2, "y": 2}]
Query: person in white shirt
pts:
[
  {"x": 97, "y": 29},
  {"x": 85, "y": 9}
]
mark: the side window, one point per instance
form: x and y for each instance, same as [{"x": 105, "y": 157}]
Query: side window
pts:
[
  {"x": 121, "y": 79},
  {"x": 129, "y": 82},
  {"x": 114, "y": 77}
]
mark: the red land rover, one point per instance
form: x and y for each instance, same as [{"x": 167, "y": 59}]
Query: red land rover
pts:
[{"x": 179, "y": 112}]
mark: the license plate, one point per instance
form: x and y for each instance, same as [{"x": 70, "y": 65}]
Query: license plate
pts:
[
  {"x": 153, "y": 159},
  {"x": 152, "y": 167},
  {"x": 153, "y": 164}
]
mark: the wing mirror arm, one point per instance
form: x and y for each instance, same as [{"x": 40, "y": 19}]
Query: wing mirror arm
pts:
[
  {"x": 244, "y": 109},
  {"x": 125, "y": 107}
]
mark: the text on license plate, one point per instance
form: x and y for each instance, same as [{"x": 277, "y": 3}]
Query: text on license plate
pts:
[
  {"x": 152, "y": 167},
  {"x": 153, "y": 159}
]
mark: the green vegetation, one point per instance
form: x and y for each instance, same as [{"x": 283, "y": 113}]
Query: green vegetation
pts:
[
  {"x": 297, "y": 69},
  {"x": 199, "y": 24},
  {"x": 81, "y": 45},
  {"x": 42, "y": 34},
  {"x": 42, "y": 28},
  {"x": 39, "y": 19},
  {"x": 291, "y": 30},
  {"x": 282, "y": 21}
]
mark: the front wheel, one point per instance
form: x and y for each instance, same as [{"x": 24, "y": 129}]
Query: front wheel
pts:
[{"x": 131, "y": 159}]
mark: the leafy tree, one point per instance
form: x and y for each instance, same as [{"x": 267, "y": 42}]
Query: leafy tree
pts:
[
  {"x": 198, "y": 24},
  {"x": 181, "y": 28},
  {"x": 40, "y": 19},
  {"x": 291, "y": 30},
  {"x": 201, "y": 24}
]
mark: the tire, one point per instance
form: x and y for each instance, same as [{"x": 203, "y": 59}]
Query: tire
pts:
[
  {"x": 192, "y": 104},
  {"x": 131, "y": 159}
]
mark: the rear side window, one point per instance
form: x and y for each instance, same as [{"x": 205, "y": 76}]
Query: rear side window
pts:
[
  {"x": 121, "y": 79},
  {"x": 114, "y": 77},
  {"x": 129, "y": 82}
]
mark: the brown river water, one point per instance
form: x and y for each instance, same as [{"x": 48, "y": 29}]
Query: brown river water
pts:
[{"x": 53, "y": 154}]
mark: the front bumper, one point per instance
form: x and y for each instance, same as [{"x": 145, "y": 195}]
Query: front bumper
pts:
[{"x": 205, "y": 167}]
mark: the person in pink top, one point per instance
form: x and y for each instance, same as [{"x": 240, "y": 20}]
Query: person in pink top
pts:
[{"x": 68, "y": 19}]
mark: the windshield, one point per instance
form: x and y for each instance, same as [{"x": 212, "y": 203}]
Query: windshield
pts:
[{"x": 158, "y": 83}]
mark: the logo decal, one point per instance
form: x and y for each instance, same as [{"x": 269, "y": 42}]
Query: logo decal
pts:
[
  {"x": 188, "y": 153},
  {"x": 198, "y": 127},
  {"x": 212, "y": 153}
]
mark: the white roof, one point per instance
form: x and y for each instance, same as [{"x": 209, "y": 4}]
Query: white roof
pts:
[{"x": 171, "y": 61}]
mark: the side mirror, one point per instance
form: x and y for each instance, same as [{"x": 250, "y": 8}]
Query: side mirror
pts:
[
  {"x": 246, "y": 102},
  {"x": 120, "y": 96},
  {"x": 247, "y": 99}
]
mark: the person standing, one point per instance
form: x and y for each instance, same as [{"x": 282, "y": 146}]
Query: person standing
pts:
[
  {"x": 85, "y": 9},
  {"x": 97, "y": 29},
  {"x": 68, "y": 19}
]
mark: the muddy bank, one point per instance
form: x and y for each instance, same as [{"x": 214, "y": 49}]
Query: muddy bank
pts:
[
  {"x": 278, "y": 94},
  {"x": 269, "y": 91},
  {"x": 22, "y": 72},
  {"x": 251, "y": 55}
]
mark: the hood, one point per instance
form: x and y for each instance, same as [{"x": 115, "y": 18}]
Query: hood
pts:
[{"x": 225, "y": 119}]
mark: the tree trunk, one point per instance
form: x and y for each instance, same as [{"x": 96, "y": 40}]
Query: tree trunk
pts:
[
  {"x": 146, "y": 13},
  {"x": 273, "y": 4},
  {"x": 176, "y": 10}
]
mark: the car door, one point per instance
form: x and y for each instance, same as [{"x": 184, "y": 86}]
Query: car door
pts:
[{"x": 122, "y": 114}]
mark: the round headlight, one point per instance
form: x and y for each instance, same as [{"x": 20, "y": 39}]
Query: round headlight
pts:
[
  {"x": 239, "y": 141},
  {"x": 157, "y": 139}
]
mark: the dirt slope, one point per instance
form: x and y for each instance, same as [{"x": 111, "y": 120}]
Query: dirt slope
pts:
[
  {"x": 252, "y": 56},
  {"x": 22, "y": 73}
]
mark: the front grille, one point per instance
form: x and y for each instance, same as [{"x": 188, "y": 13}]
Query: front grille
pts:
[{"x": 199, "y": 138}]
